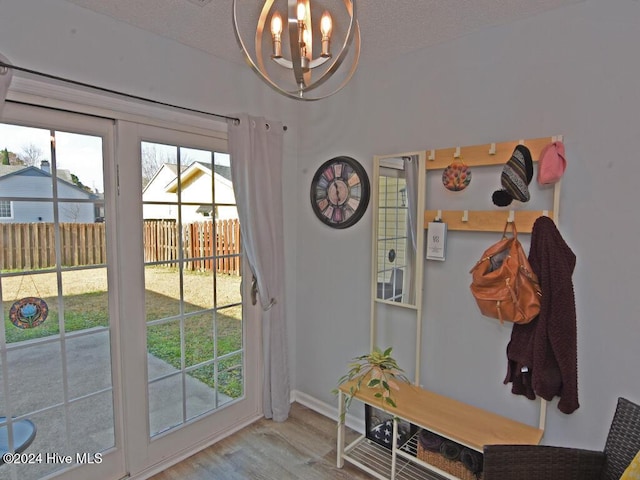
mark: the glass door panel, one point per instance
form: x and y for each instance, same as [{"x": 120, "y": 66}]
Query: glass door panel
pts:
[
  {"x": 195, "y": 334},
  {"x": 55, "y": 341}
]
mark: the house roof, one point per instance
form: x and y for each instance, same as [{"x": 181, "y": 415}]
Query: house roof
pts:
[
  {"x": 223, "y": 174},
  {"x": 223, "y": 170},
  {"x": 172, "y": 167},
  {"x": 63, "y": 174},
  {"x": 8, "y": 171}
]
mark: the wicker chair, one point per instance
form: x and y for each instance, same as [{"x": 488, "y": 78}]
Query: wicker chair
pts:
[{"x": 540, "y": 462}]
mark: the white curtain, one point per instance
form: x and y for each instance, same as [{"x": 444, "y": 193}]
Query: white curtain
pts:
[
  {"x": 255, "y": 145},
  {"x": 5, "y": 80},
  {"x": 411, "y": 176}
]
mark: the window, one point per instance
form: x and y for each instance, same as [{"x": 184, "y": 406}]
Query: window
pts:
[{"x": 5, "y": 209}]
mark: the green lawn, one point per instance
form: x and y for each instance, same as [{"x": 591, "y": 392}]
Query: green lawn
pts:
[{"x": 85, "y": 306}]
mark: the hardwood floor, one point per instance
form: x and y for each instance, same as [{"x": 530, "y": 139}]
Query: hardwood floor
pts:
[{"x": 303, "y": 447}]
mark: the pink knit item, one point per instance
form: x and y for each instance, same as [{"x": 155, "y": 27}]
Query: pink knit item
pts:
[{"x": 552, "y": 163}]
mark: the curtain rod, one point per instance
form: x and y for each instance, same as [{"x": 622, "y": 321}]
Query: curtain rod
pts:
[{"x": 4, "y": 65}]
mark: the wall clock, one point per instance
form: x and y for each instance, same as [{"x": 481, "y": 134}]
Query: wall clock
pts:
[{"x": 340, "y": 192}]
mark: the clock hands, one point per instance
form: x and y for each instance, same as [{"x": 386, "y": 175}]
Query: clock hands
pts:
[{"x": 335, "y": 184}]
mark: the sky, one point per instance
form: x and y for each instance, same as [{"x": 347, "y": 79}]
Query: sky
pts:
[{"x": 82, "y": 154}]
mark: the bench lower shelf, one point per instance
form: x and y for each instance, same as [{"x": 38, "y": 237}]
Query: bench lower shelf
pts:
[
  {"x": 376, "y": 460},
  {"x": 461, "y": 423}
]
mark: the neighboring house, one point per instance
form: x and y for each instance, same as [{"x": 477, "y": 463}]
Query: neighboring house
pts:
[
  {"x": 156, "y": 191},
  {"x": 31, "y": 182},
  {"x": 196, "y": 193}
]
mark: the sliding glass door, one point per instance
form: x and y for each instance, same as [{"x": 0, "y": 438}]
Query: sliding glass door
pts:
[
  {"x": 200, "y": 342},
  {"x": 126, "y": 343},
  {"x": 58, "y": 400}
]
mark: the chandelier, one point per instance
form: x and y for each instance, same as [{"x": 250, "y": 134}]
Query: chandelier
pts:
[{"x": 300, "y": 63}]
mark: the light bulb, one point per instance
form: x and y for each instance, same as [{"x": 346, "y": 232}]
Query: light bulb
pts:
[
  {"x": 276, "y": 31},
  {"x": 276, "y": 24},
  {"x": 301, "y": 12},
  {"x": 325, "y": 24}
]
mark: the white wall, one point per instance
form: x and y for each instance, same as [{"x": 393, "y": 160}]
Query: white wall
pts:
[{"x": 571, "y": 71}]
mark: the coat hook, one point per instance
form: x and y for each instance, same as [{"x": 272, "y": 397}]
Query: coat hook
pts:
[
  {"x": 492, "y": 149},
  {"x": 465, "y": 216},
  {"x": 438, "y": 216},
  {"x": 432, "y": 155},
  {"x": 521, "y": 142},
  {"x": 545, "y": 213},
  {"x": 456, "y": 154},
  {"x": 512, "y": 216}
]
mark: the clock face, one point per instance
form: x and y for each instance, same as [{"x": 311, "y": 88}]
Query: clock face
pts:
[{"x": 340, "y": 192}]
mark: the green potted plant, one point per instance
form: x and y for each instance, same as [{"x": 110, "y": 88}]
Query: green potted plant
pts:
[{"x": 380, "y": 371}]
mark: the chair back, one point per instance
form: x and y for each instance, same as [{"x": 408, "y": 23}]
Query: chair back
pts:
[{"x": 623, "y": 440}]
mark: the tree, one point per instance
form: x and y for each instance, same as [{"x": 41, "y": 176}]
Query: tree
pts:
[
  {"x": 72, "y": 211},
  {"x": 152, "y": 160},
  {"x": 31, "y": 155},
  {"x": 9, "y": 158},
  {"x": 78, "y": 183}
]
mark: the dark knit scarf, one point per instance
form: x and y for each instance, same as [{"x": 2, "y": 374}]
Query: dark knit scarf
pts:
[{"x": 543, "y": 355}]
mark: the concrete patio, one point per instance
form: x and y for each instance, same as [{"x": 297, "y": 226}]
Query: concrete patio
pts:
[{"x": 86, "y": 425}]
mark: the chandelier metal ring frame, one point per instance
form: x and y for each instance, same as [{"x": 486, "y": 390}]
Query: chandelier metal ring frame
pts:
[{"x": 302, "y": 75}]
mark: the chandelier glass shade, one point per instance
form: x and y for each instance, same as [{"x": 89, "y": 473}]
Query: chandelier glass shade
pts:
[{"x": 300, "y": 60}]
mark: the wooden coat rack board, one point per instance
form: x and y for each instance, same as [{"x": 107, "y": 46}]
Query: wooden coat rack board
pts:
[
  {"x": 493, "y": 154},
  {"x": 489, "y": 155}
]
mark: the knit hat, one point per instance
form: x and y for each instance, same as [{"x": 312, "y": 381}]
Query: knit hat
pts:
[
  {"x": 516, "y": 177},
  {"x": 552, "y": 163}
]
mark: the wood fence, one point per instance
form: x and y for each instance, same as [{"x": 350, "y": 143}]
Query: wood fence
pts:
[
  {"x": 30, "y": 246},
  {"x": 201, "y": 241}
]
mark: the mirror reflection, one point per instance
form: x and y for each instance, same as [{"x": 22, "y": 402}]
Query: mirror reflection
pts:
[{"x": 397, "y": 232}]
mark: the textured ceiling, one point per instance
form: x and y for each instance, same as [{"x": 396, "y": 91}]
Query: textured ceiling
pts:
[{"x": 388, "y": 27}]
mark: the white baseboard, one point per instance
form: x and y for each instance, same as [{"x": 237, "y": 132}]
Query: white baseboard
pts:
[{"x": 327, "y": 410}]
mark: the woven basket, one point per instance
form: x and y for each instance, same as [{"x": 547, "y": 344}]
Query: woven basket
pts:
[{"x": 454, "y": 467}]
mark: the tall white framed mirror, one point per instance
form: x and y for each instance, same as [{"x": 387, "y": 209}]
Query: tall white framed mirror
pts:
[
  {"x": 397, "y": 258},
  {"x": 398, "y": 194}
]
